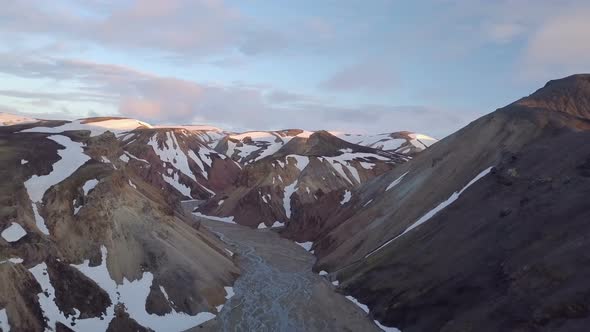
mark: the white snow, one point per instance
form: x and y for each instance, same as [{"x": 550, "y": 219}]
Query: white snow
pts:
[
  {"x": 434, "y": 211},
  {"x": 132, "y": 293},
  {"x": 132, "y": 185},
  {"x": 7, "y": 119},
  {"x": 199, "y": 163},
  {"x": 366, "y": 165},
  {"x": 72, "y": 157},
  {"x": 306, "y": 245},
  {"x": 22, "y": 162},
  {"x": 116, "y": 126},
  {"x": 220, "y": 202},
  {"x": 172, "y": 153},
  {"x": 289, "y": 190},
  {"x": 346, "y": 198},
  {"x": 13, "y": 233},
  {"x": 229, "y": 220},
  {"x": 230, "y": 292},
  {"x": 422, "y": 141},
  {"x": 360, "y": 305},
  {"x": 261, "y": 226},
  {"x": 4, "y": 325},
  {"x": 369, "y": 202},
  {"x": 174, "y": 182},
  {"x": 105, "y": 160},
  {"x": 385, "y": 328},
  {"x": 336, "y": 283},
  {"x": 134, "y": 157},
  {"x": 386, "y": 142},
  {"x": 301, "y": 161},
  {"x": 396, "y": 181},
  {"x": 13, "y": 260},
  {"x": 366, "y": 310},
  {"x": 278, "y": 224},
  {"x": 229, "y": 252},
  {"x": 323, "y": 273},
  {"x": 89, "y": 185},
  {"x": 124, "y": 158}
]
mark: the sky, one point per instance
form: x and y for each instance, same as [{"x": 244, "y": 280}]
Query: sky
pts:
[{"x": 360, "y": 66}]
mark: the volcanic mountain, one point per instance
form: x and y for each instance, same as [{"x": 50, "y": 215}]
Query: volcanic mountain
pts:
[{"x": 483, "y": 231}]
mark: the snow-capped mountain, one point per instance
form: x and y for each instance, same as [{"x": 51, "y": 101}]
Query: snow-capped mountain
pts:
[
  {"x": 404, "y": 142},
  {"x": 249, "y": 147},
  {"x": 88, "y": 243},
  {"x": 300, "y": 183}
]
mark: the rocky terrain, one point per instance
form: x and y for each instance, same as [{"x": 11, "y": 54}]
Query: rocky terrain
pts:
[
  {"x": 88, "y": 244},
  {"x": 484, "y": 231}
]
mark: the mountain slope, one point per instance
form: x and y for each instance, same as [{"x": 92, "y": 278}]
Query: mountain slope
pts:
[
  {"x": 482, "y": 230},
  {"x": 299, "y": 184},
  {"x": 404, "y": 142},
  {"x": 90, "y": 245}
]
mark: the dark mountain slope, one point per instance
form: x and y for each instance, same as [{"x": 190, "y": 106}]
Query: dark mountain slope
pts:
[{"x": 486, "y": 230}]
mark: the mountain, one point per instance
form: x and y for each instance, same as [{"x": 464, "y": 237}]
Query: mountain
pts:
[
  {"x": 88, "y": 244},
  {"x": 404, "y": 142},
  {"x": 482, "y": 231},
  {"x": 298, "y": 185},
  {"x": 94, "y": 236},
  {"x": 249, "y": 147},
  {"x": 115, "y": 224}
]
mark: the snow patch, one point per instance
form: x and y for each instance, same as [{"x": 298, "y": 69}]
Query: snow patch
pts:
[
  {"x": 305, "y": 245},
  {"x": 13, "y": 233},
  {"x": 434, "y": 211},
  {"x": 289, "y": 190},
  {"x": 116, "y": 126},
  {"x": 89, "y": 185},
  {"x": 23, "y": 162},
  {"x": 4, "y": 325},
  {"x": 346, "y": 198},
  {"x": 229, "y": 220},
  {"x": 360, "y": 305},
  {"x": 134, "y": 295},
  {"x": 172, "y": 153},
  {"x": 396, "y": 181},
  {"x": 72, "y": 157},
  {"x": 174, "y": 182},
  {"x": 300, "y": 161},
  {"x": 277, "y": 224}
]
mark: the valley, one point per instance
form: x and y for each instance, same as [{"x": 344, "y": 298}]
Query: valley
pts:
[{"x": 116, "y": 224}]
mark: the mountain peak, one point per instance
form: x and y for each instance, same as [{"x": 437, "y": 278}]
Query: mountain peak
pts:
[{"x": 569, "y": 95}]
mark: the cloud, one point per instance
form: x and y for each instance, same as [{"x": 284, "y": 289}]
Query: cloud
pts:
[
  {"x": 185, "y": 28},
  {"x": 158, "y": 99},
  {"x": 367, "y": 76},
  {"x": 504, "y": 32},
  {"x": 559, "y": 46}
]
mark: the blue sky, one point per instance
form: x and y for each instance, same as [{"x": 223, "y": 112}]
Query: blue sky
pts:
[{"x": 351, "y": 65}]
